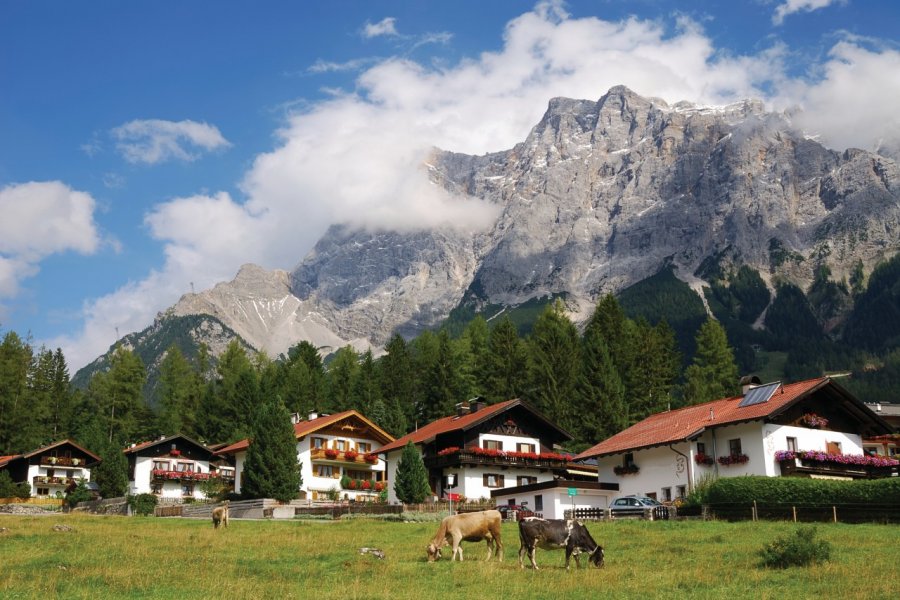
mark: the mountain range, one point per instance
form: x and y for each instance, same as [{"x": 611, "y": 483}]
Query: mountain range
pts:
[{"x": 599, "y": 196}]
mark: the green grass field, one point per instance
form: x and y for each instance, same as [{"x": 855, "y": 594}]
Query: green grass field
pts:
[{"x": 142, "y": 557}]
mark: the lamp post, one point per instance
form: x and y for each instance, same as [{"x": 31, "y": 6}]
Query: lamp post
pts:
[{"x": 450, "y": 479}]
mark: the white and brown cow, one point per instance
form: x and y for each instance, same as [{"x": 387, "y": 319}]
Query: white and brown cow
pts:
[
  {"x": 220, "y": 515},
  {"x": 555, "y": 534},
  {"x": 469, "y": 527}
]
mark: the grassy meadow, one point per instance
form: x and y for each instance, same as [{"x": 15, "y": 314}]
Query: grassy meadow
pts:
[{"x": 145, "y": 557}]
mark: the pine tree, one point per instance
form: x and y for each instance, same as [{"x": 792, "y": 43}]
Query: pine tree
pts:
[
  {"x": 445, "y": 383},
  {"x": 506, "y": 363},
  {"x": 475, "y": 340},
  {"x": 602, "y": 407},
  {"x": 411, "y": 481},
  {"x": 367, "y": 389},
  {"x": 713, "y": 374},
  {"x": 179, "y": 394},
  {"x": 15, "y": 362},
  {"x": 271, "y": 469},
  {"x": 111, "y": 475},
  {"x": 339, "y": 380},
  {"x": 398, "y": 383},
  {"x": 62, "y": 398},
  {"x": 118, "y": 394},
  {"x": 554, "y": 365}
]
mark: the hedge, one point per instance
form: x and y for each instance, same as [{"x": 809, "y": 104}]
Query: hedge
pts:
[{"x": 775, "y": 490}]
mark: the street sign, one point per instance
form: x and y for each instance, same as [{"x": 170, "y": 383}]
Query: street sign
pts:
[{"x": 573, "y": 491}]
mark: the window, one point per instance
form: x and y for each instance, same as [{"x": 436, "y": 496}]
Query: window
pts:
[
  {"x": 792, "y": 444},
  {"x": 667, "y": 494},
  {"x": 340, "y": 445},
  {"x": 317, "y": 442},
  {"x": 43, "y": 491},
  {"x": 353, "y": 474},
  {"x": 511, "y": 502},
  {"x": 538, "y": 503},
  {"x": 364, "y": 447},
  {"x": 734, "y": 447},
  {"x": 628, "y": 460},
  {"x": 681, "y": 490},
  {"x": 651, "y": 495},
  {"x": 187, "y": 489},
  {"x": 50, "y": 472},
  {"x": 493, "y": 480},
  {"x": 160, "y": 465},
  {"x": 492, "y": 445},
  {"x": 524, "y": 447},
  {"x": 701, "y": 448},
  {"x": 325, "y": 471},
  {"x": 185, "y": 467},
  {"x": 156, "y": 488},
  {"x": 833, "y": 448},
  {"x": 525, "y": 480}
]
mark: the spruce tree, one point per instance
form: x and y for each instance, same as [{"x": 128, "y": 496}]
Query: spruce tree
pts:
[
  {"x": 179, "y": 394},
  {"x": 411, "y": 481},
  {"x": 554, "y": 366},
  {"x": 111, "y": 475},
  {"x": 713, "y": 374},
  {"x": 366, "y": 388},
  {"x": 398, "y": 384},
  {"x": 601, "y": 395},
  {"x": 339, "y": 380},
  {"x": 506, "y": 363},
  {"x": 271, "y": 469}
]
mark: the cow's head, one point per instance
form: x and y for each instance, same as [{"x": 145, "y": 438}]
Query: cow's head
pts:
[
  {"x": 434, "y": 552},
  {"x": 597, "y": 557}
]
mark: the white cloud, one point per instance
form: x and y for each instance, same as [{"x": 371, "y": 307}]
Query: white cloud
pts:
[
  {"x": 40, "y": 219},
  {"x": 324, "y": 66},
  {"x": 153, "y": 141},
  {"x": 790, "y": 7},
  {"x": 385, "y": 26},
  {"x": 358, "y": 157}
]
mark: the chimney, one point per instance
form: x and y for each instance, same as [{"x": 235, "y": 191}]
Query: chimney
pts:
[
  {"x": 462, "y": 408},
  {"x": 748, "y": 382},
  {"x": 313, "y": 416},
  {"x": 295, "y": 418},
  {"x": 476, "y": 404}
]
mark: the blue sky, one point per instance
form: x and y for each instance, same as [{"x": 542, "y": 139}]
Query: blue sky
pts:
[{"x": 147, "y": 146}]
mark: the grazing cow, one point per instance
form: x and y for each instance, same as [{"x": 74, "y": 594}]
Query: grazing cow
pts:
[
  {"x": 553, "y": 534},
  {"x": 469, "y": 527},
  {"x": 220, "y": 515}
]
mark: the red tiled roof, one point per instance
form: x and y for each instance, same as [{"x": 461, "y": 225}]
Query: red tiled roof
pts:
[
  {"x": 454, "y": 423},
  {"x": 6, "y": 459},
  {"x": 306, "y": 427},
  {"x": 681, "y": 424}
]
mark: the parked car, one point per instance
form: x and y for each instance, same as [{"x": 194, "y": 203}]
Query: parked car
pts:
[
  {"x": 521, "y": 511},
  {"x": 632, "y": 505}
]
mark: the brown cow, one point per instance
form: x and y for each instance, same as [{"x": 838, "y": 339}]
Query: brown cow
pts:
[
  {"x": 220, "y": 515},
  {"x": 471, "y": 527}
]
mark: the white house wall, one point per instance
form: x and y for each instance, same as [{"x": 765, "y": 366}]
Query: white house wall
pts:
[
  {"x": 171, "y": 489},
  {"x": 659, "y": 468},
  {"x": 557, "y": 500},
  {"x": 509, "y": 442},
  {"x": 72, "y": 472}
]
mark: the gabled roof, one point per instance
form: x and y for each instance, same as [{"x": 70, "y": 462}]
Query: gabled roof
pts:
[
  {"x": 686, "y": 423},
  {"x": 43, "y": 449},
  {"x": 5, "y": 460},
  {"x": 165, "y": 440},
  {"x": 306, "y": 427},
  {"x": 462, "y": 423}
]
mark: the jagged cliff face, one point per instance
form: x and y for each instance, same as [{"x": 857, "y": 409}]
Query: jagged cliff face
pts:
[{"x": 599, "y": 196}]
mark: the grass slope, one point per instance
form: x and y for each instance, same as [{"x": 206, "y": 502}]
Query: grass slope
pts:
[{"x": 118, "y": 557}]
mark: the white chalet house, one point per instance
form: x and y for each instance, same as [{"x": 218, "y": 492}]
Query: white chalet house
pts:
[
  {"x": 812, "y": 428},
  {"x": 172, "y": 468},
  {"x": 486, "y": 449},
  {"x": 52, "y": 468},
  {"x": 338, "y": 456}
]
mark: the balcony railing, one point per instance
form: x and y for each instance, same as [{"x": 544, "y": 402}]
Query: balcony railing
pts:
[
  {"x": 353, "y": 456},
  {"x": 799, "y": 467},
  {"x": 465, "y": 457},
  {"x": 44, "y": 480},
  {"x": 163, "y": 475},
  {"x": 62, "y": 461}
]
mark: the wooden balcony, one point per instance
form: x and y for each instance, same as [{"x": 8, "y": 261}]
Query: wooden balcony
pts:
[
  {"x": 44, "y": 480},
  {"x": 457, "y": 459},
  {"x": 61, "y": 461},
  {"x": 336, "y": 456},
  {"x": 795, "y": 467},
  {"x": 161, "y": 475}
]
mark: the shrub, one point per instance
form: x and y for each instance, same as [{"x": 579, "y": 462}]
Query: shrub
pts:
[
  {"x": 142, "y": 504},
  {"x": 699, "y": 494},
  {"x": 825, "y": 492},
  {"x": 797, "y": 550},
  {"x": 79, "y": 494}
]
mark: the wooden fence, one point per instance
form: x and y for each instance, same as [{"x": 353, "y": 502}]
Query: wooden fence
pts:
[
  {"x": 786, "y": 511},
  {"x": 656, "y": 513},
  {"x": 33, "y": 501}
]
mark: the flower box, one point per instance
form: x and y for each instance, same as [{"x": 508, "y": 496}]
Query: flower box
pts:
[
  {"x": 350, "y": 455},
  {"x": 331, "y": 453},
  {"x": 813, "y": 421},
  {"x": 626, "y": 469},
  {"x": 823, "y": 458},
  {"x": 733, "y": 459},
  {"x": 703, "y": 459},
  {"x": 448, "y": 451},
  {"x": 372, "y": 459}
]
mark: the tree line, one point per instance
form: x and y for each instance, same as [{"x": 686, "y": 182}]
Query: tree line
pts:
[{"x": 592, "y": 383}]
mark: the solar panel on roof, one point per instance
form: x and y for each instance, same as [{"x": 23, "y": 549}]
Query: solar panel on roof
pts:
[{"x": 760, "y": 394}]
